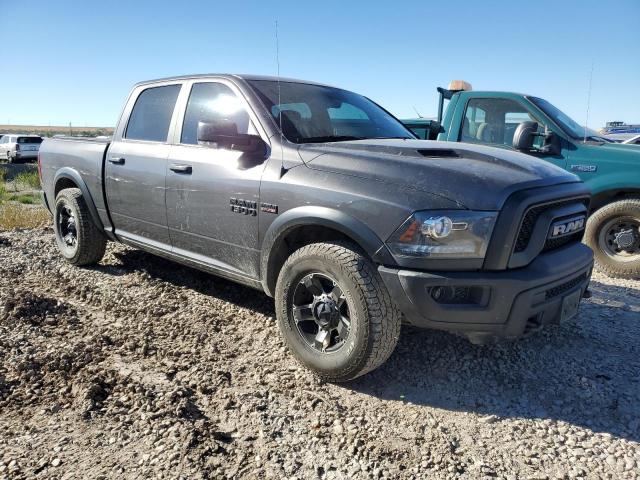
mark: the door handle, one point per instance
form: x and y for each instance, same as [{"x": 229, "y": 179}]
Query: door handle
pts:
[
  {"x": 181, "y": 168},
  {"x": 117, "y": 160}
]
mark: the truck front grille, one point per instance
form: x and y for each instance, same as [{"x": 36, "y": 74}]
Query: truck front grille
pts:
[
  {"x": 553, "y": 243},
  {"x": 531, "y": 217}
]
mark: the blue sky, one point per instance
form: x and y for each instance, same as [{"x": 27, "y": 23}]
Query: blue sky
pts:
[{"x": 67, "y": 61}]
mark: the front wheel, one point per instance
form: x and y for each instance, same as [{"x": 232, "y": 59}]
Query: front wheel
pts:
[
  {"x": 79, "y": 240},
  {"x": 334, "y": 311},
  {"x": 613, "y": 232}
]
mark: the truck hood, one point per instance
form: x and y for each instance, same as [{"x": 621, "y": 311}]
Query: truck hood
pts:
[
  {"x": 473, "y": 176},
  {"x": 616, "y": 150}
]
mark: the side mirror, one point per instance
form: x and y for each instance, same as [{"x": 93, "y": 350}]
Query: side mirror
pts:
[
  {"x": 523, "y": 136},
  {"x": 224, "y": 134}
]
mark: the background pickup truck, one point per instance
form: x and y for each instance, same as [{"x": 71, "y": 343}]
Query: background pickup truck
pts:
[
  {"x": 610, "y": 170},
  {"x": 320, "y": 198}
]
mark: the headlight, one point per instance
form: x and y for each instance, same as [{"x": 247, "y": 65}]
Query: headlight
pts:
[{"x": 444, "y": 234}]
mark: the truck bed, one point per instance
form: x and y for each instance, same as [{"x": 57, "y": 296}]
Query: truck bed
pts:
[{"x": 62, "y": 155}]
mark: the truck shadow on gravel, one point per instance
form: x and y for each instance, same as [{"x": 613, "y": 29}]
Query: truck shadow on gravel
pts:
[
  {"x": 201, "y": 282},
  {"x": 585, "y": 372}
]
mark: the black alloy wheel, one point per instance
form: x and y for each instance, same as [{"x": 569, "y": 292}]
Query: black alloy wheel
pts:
[{"x": 321, "y": 313}]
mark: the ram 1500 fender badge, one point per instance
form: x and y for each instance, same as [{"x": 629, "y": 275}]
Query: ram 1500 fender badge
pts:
[
  {"x": 584, "y": 168},
  {"x": 268, "y": 207},
  {"x": 245, "y": 207},
  {"x": 567, "y": 227}
]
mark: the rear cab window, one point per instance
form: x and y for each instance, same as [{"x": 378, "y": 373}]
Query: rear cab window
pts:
[
  {"x": 23, "y": 140},
  {"x": 150, "y": 118}
]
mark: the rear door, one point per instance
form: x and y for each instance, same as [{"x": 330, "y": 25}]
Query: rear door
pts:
[
  {"x": 135, "y": 171},
  {"x": 205, "y": 183}
]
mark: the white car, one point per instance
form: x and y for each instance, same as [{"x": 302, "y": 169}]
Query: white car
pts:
[
  {"x": 15, "y": 147},
  {"x": 635, "y": 140}
]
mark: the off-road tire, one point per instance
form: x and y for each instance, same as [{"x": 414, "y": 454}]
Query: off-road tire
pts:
[
  {"x": 375, "y": 320},
  {"x": 604, "y": 262},
  {"x": 91, "y": 243}
]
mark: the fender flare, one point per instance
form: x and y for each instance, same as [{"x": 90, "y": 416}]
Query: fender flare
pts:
[
  {"x": 604, "y": 197},
  {"x": 331, "y": 218},
  {"x": 73, "y": 175}
]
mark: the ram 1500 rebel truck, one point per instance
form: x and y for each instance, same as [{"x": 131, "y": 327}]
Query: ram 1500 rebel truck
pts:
[
  {"x": 610, "y": 170},
  {"x": 320, "y": 198}
]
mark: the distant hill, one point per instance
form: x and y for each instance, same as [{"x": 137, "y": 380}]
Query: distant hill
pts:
[{"x": 49, "y": 131}]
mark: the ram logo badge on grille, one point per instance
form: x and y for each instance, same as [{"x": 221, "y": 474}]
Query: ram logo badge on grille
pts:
[{"x": 567, "y": 227}]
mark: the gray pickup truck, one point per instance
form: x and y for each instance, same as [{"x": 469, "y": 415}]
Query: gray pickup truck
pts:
[{"x": 322, "y": 199}]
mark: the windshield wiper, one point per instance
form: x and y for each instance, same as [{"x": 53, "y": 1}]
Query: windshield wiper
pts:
[{"x": 329, "y": 138}]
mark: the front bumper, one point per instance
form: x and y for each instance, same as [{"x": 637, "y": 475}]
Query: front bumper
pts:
[{"x": 515, "y": 301}]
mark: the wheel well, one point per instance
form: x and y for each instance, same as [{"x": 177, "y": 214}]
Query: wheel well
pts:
[
  {"x": 295, "y": 238},
  {"x": 63, "y": 183},
  {"x": 603, "y": 198}
]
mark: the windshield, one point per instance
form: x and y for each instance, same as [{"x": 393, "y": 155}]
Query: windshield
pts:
[
  {"x": 314, "y": 113},
  {"x": 570, "y": 126}
]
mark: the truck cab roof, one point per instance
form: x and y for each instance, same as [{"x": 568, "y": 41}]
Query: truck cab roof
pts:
[{"x": 230, "y": 76}]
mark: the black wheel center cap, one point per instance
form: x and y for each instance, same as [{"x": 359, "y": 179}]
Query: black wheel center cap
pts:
[{"x": 326, "y": 312}]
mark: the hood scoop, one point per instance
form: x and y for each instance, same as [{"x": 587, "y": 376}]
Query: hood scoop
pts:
[{"x": 438, "y": 153}]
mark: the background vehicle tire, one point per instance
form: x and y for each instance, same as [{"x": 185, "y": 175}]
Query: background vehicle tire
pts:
[
  {"x": 613, "y": 232},
  {"x": 334, "y": 312},
  {"x": 79, "y": 240}
]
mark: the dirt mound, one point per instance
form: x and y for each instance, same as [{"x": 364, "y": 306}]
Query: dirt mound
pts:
[{"x": 25, "y": 306}]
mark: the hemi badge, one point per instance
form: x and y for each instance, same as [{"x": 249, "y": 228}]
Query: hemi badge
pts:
[{"x": 268, "y": 207}]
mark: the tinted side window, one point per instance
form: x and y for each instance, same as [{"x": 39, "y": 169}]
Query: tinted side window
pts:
[
  {"x": 151, "y": 115},
  {"x": 494, "y": 120},
  {"x": 213, "y": 102}
]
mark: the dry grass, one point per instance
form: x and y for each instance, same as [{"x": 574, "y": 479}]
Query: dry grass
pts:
[
  {"x": 3, "y": 187},
  {"x": 17, "y": 215},
  {"x": 48, "y": 130},
  {"x": 29, "y": 179}
]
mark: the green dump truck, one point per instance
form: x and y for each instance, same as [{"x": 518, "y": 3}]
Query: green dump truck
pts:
[{"x": 533, "y": 125}]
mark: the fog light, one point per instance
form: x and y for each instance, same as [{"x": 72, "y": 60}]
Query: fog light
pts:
[{"x": 460, "y": 295}]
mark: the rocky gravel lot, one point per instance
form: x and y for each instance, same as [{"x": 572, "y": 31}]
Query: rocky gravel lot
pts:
[{"x": 139, "y": 368}]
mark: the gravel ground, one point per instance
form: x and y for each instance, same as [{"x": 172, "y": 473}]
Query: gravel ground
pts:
[{"x": 139, "y": 368}]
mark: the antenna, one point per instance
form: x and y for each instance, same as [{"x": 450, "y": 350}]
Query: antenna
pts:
[
  {"x": 586, "y": 122},
  {"x": 417, "y": 112},
  {"x": 282, "y": 169}
]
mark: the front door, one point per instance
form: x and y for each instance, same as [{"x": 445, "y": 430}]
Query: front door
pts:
[
  {"x": 135, "y": 172},
  {"x": 212, "y": 200}
]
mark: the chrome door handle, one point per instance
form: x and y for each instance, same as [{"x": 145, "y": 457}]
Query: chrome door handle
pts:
[
  {"x": 180, "y": 168},
  {"x": 116, "y": 160}
]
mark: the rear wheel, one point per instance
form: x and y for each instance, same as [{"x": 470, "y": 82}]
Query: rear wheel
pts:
[
  {"x": 79, "y": 240},
  {"x": 613, "y": 232},
  {"x": 334, "y": 312}
]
